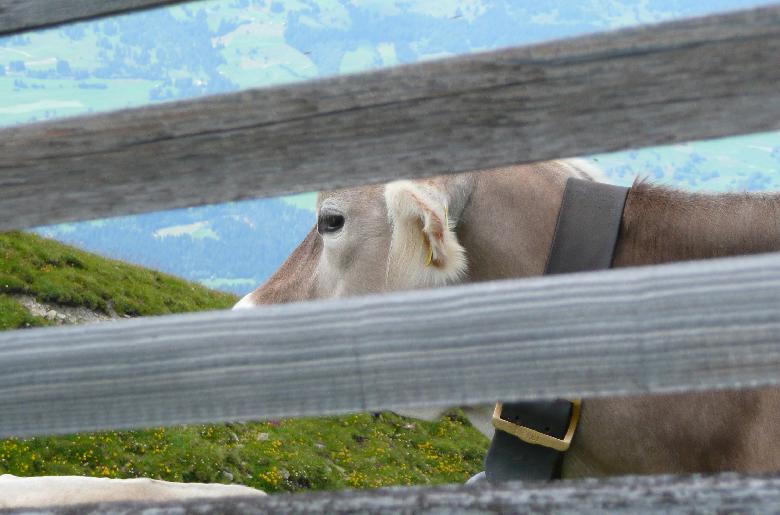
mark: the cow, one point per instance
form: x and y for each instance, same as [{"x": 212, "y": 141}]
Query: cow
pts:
[{"x": 499, "y": 224}]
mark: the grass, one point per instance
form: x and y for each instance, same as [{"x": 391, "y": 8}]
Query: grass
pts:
[
  {"x": 56, "y": 273},
  {"x": 359, "y": 450},
  {"x": 15, "y": 316}
]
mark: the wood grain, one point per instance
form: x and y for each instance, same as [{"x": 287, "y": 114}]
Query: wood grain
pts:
[
  {"x": 631, "y": 495},
  {"x": 23, "y": 15},
  {"x": 673, "y": 82},
  {"x": 691, "y": 326}
]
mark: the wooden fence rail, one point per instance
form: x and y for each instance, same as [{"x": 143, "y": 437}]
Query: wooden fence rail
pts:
[
  {"x": 725, "y": 493},
  {"x": 22, "y": 15},
  {"x": 675, "y": 327},
  {"x": 677, "y": 81}
]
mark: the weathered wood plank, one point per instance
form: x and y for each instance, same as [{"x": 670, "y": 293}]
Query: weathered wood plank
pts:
[
  {"x": 21, "y": 15},
  {"x": 679, "y": 81},
  {"x": 724, "y": 493},
  {"x": 676, "y": 327}
]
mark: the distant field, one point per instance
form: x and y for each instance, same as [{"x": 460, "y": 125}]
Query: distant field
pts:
[
  {"x": 222, "y": 283},
  {"x": 42, "y": 99}
]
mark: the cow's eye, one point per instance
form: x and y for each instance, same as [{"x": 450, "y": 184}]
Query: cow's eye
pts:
[{"x": 328, "y": 223}]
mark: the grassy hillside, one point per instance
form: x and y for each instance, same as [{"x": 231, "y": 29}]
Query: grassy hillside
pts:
[
  {"x": 60, "y": 274},
  {"x": 360, "y": 450}
]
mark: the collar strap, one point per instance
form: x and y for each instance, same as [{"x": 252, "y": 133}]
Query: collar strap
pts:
[
  {"x": 531, "y": 436},
  {"x": 587, "y": 228}
]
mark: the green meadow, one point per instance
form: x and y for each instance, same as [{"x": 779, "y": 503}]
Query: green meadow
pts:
[{"x": 357, "y": 450}]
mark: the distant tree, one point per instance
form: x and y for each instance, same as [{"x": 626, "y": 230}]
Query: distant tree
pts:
[
  {"x": 63, "y": 67},
  {"x": 41, "y": 74},
  {"x": 95, "y": 85},
  {"x": 19, "y": 40},
  {"x": 183, "y": 83},
  {"x": 144, "y": 57},
  {"x": 2, "y": 70},
  {"x": 75, "y": 32},
  {"x": 225, "y": 26},
  {"x": 17, "y": 66},
  {"x": 110, "y": 28}
]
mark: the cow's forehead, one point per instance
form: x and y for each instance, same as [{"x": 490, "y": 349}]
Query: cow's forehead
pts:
[{"x": 352, "y": 199}]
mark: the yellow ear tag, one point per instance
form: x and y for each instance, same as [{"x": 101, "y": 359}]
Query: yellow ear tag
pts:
[{"x": 446, "y": 227}]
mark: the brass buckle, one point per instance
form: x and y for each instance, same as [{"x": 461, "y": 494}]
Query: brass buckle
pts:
[{"x": 534, "y": 437}]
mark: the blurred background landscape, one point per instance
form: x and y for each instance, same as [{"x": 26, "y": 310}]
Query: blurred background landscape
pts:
[{"x": 218, "y": 46}]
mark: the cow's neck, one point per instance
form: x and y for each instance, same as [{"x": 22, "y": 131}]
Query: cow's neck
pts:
[
  {"x": 508, "y": 224},
  {"x": 692, "y": 432},
  {"x": 507, "y": 231},
  {"x": 662, "y": 225}
]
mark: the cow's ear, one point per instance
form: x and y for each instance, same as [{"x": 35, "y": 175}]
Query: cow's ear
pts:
[{"x": 424, "y": 250}]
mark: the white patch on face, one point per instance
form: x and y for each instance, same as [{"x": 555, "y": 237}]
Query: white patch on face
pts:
[{"x": 246, "y": 302}]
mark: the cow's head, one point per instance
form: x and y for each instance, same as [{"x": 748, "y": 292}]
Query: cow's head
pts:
[
  {"x": 416, "y": 234},
  {"x": 373, "y": 239}
]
